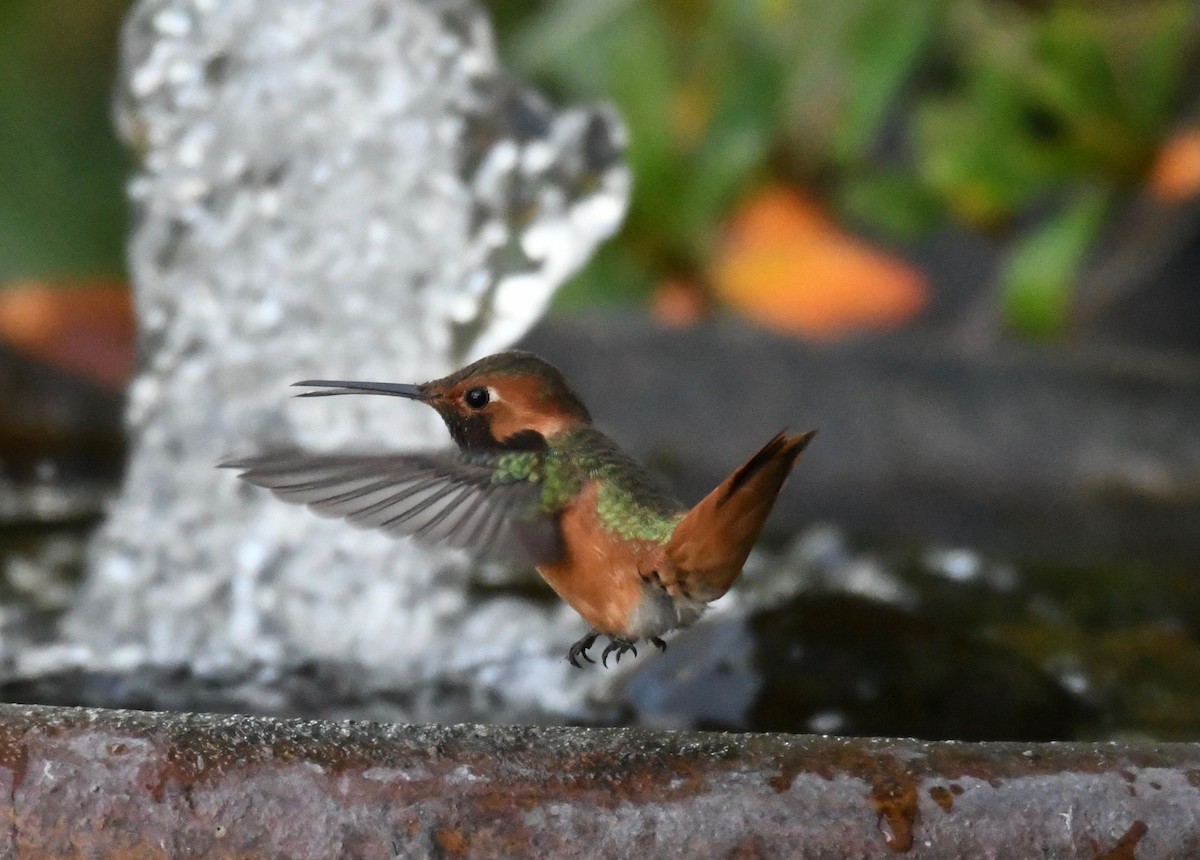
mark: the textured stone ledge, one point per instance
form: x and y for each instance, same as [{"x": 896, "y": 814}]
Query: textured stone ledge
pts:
[{"x": 93, "y": 783}]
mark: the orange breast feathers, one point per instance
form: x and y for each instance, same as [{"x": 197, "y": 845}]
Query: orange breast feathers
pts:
[{"x": 602, "y": 574}]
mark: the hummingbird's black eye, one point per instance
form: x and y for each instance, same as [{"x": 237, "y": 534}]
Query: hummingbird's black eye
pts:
[{"x": 477, "y": 398}]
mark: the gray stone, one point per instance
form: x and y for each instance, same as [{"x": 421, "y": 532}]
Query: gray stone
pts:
[{"x": 335, "y": 188}]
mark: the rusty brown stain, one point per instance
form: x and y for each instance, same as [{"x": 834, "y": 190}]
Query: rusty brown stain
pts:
[
  {"x": 893, "y": 795},
  {"x": 501, "y": 801},
  {"x": 749, "y": 848},
  {"x": 956, "y": 789},
  {"x": 783, "y": 780},
  {"x": 942, "y": 797},
  {"x": 648, "y": 780},
  {"x": 897, "y": 806},
  {"x": 451, "y": 842},
  {"x": 1126, "y": 847},
  {"x": 14, "y": 756},
  {"x": 848, "y": 757},
  {"x": 1157, "y": 786},
  {"x": 1193, "y": 777}
]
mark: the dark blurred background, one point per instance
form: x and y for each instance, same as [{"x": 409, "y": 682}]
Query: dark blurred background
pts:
[{"x": 980, "y": 173}]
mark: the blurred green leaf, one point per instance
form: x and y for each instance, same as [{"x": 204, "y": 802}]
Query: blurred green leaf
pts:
[
  {"x": 893, "y": 200},
  {"x": 1040, "y": 271},
  {"x": 1157, "y": 70},
  {"x": 643, "y": 84},
  {"x": 732, "y": 150},
  {"x": 883, "y": 44},
  {"x": 1072, "y": 75},
  {"x": 975, "y": 153},
  {"x": 811, "y": 35},
  {"x": 612, "y": 277},
  {"x": 1074, "y": 84},
  {"x": 62, "y": 206}
]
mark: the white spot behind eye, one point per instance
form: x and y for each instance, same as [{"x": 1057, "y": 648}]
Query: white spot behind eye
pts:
[{"x": 493, "y": 395}]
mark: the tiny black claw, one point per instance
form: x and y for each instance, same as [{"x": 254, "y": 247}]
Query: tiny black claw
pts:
[
  {"x": 658, "y": 643},
  {"x": 619, "y": 646},
  {"x": 579, "y": 649}
]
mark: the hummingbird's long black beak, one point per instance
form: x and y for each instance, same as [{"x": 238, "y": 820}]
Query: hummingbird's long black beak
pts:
[{"x": 337, "y": 386}]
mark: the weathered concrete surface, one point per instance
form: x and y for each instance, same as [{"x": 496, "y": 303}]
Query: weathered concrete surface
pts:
[{"x": 91, "y": 783}]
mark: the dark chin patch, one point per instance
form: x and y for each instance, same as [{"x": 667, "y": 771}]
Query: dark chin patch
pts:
[
  {"x": 526, "y": 440},
  {"x": 471, "y": 431},
  {"x": 474, "y": 433}
]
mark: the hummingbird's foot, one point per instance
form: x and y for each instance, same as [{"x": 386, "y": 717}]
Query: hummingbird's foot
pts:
[
  {"x": 579, "y": 649},
  {"x": 620, "y": 646},
  {"x": 658, "y": 643}
]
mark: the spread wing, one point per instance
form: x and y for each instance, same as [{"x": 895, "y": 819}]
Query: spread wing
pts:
[{"x": 436, "y": 498}]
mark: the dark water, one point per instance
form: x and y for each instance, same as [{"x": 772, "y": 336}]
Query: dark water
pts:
[{"x": 948, "y": 645}]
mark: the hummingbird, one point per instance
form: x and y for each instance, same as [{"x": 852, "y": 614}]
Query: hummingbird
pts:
[{"x": 533, "y": 482}]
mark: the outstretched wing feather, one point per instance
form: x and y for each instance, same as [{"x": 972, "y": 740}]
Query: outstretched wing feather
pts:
[{"x": 436, "y": 498}]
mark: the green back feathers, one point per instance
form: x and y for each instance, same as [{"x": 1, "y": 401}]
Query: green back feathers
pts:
[
  {"x": 626, "y": 514},
  {"x": 629, "y": 502}
]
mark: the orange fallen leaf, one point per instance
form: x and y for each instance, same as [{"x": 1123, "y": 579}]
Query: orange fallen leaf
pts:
[
  {"x": 1175, "y": 174},
  {"x": 787, "y": 265},
  {"x": 86, "y": 328}
]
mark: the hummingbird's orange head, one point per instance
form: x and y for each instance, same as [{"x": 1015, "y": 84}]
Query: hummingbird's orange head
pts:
[{"x": 512, "y": 399}]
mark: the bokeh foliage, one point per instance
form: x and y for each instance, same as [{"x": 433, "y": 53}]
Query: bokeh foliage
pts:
[{"x": 1028, "y": 120}]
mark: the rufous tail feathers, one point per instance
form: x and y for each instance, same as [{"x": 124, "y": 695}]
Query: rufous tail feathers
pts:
[{"x": 711, "y": 543}]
